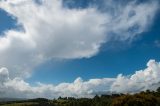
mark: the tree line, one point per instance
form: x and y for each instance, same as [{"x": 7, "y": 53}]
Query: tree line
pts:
[{"x": 147, "y": 98}]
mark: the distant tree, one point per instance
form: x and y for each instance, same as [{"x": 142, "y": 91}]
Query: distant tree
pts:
[
  {"x": 158, "y": 89},
  {"x": 59, "y": 98},
  {"x": 148, "y": 91},
  {"x": 96, "y": 98}
]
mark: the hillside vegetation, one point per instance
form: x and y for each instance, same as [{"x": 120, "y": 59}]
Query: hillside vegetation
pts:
[{"x": 148, "y": 98}]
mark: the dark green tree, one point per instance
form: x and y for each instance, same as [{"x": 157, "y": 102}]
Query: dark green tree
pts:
[{"x": 158, "y": 89}]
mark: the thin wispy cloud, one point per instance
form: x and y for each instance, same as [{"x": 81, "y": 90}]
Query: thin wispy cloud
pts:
[{"x": 157, "y": 43}]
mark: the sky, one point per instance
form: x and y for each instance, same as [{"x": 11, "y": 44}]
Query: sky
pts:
[{"x": 78, "y": 48}]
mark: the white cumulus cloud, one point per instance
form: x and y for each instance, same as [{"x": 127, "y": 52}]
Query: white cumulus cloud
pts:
[
  {"x": 140, "y": 81},
  {"x": 50, "y": 31}
]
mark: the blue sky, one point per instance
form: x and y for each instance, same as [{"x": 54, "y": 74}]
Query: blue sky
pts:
[
  {"x": 108, "y": 63},
  {"x": 118, "y": 58},
  {"x": 75, "y": 41},
  {"x": 7, "y": 22}
]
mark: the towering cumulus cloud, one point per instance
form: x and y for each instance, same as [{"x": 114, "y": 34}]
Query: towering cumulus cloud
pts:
[
  {"x": 48, "y": 30},
  {"x": 51, "y": 31}
]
